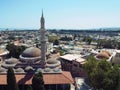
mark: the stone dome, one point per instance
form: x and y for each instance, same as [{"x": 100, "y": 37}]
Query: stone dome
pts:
[
  {"x": 29, "y": 69},
  {"x": 2, "y": 69},
  {"x": 47, "y": 69},
  {"x": 11, "y": 61},
  {"x": 52, "y": 63},
  {"x": 39, "y": 70},
  {"x": 56, "y": 70},
  {"x": 31, "y": 52},
  {"x": 5, "y": 65},
  {"x": 19, "y": 70}
]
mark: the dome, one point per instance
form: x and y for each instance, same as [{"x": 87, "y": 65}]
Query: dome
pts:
[
  {"x": 2, "y": 69},
  {"x": 11, "y": 61},
  {"x": 31, "y": 52},
  {"x": 29, "y": 68},
  {"x": 107, "y": 52},
  {"x": 56, "y": 70},
  {"x": 39, "y": 70},
  {"x": 52, "y": 63},
  {"x": 5, "y": 65},
  {"x": 47, "y": 69},
  {"x": 3, "y": 52},
  {"x": 19, "y": 70},
  {"x": 103, "y": 55}
]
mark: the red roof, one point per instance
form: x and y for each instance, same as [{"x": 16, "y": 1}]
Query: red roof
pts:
[{"x": 61, "y": 78}]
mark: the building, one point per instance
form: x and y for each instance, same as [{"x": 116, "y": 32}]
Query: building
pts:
[
  {"x": 74, "y": 64},
  {"x": 116, "y": 57},
  {"x": 34, "y": 60}
]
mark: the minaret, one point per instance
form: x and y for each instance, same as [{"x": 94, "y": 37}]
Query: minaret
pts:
[{"x": 43, "y": 41}]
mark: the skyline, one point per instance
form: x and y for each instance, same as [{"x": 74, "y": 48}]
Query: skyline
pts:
[{"x": 62, "y": 14}]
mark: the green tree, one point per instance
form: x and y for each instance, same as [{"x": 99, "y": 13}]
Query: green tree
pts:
[
  {"x": 90, "y": 64},
  {"x": 61, "y": 52},
  {"x": 100, "y": 43},
  {"x": 118, "y": 45},
  {"x": 14, "y": 50},
  {"x": 56, "y": 42},
  {"x": 52, "y": 38},
  {"x": 88, "y": 40},
  {"x": 11, "y": 37},
  {"x": 66, "y": 38},
  {"x": 114, "y": 75},
  {"x": 38, "y": 82},
  {"x": 108, "y": 44},
  {"x": 102, "y": 75},
  {"x": 11, "y": 80},
  {"x": 99, "y": 74},
  {"x": 29, "y": 87}
]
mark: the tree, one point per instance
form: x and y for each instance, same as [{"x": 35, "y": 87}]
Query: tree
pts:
[
  {"x": 52, "y": 38},
  {"x": 114, "y": 75},
  {"x": 102, "y": 75},
  {"x": 11, "y": 80},
  {"x": 99, "y": 74},
  {"x": 11, "y": 37},
  {"x": 61, "y": 52},
  {"x": 66, "y": 38},
  {"x": 90, "y": 64},
  {"x": 108, "y": 44},
  {"x": 29, "y": 87},
  {"x": 38, "y": 82},
  {"x": 87, "y": 39},
  {"x": 56, "y": 42},
  {"x": 118, "y": 45},
  {"x": 100, "y": 43},
  {"x": 14, "y": 50}
]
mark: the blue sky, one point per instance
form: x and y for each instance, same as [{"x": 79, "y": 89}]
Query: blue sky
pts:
[{"x": 60, "y": 14}]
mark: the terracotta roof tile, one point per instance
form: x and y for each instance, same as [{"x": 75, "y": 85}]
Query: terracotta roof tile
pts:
[{"x": 62, "y": 78}]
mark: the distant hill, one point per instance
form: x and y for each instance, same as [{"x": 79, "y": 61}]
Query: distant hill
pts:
[
  {"x": 111, "y": 29},
  {"x": 11, "y": 29},
  {"x": 94, "y": 29}
]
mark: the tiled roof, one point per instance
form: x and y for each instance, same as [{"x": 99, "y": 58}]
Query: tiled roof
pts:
[{"x": 62, "y": 78}]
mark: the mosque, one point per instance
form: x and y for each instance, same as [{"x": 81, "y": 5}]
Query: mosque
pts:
[{"x": 34, "y": 60}]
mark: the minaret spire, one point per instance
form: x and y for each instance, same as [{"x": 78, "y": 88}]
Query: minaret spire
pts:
[
  {"x": 42, "y": 12},
  {"x": 42, "y": 21},
  {"x": 43, "y": 41}
]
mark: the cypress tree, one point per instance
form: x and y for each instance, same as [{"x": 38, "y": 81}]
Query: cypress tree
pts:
[
  {"x": 11, "y": 80},
  {"x": 38, "y": 82},
  {"x": 29, "y": 87}
]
